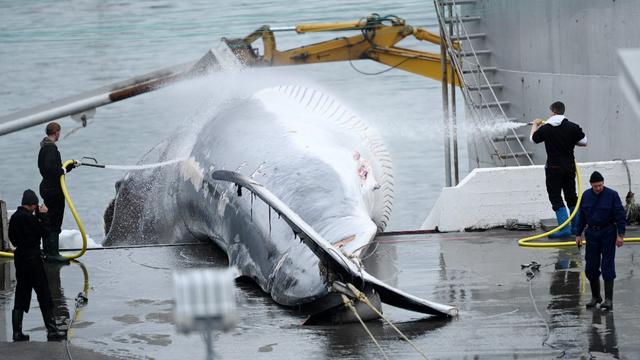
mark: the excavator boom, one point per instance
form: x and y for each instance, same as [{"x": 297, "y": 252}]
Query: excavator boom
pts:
[{"x": 376, "y": 41}]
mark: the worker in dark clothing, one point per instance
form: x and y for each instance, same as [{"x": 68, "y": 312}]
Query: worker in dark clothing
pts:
[
  {"x": 560, "y": 136},
  {"x": 50, "y": 166},
  {"x": 25, "y": 232},
  {"x": 602, "y": 214}
]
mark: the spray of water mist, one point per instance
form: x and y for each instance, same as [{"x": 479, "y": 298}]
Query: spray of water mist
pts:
[
  {"x": 202, "y": 98},
  {"x": 143, "y": 166},
  {"x": 198, "y": 100},
  {"x": 497, "y": 127}
]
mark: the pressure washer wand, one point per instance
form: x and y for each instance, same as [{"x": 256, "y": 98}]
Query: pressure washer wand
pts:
[
  {"x": 89, "y": 164},
  {"x": 94, "y": 164}
]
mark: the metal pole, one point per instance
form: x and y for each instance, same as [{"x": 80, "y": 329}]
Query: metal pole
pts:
[
  {"x": 4, "y": 226},
  {"x": 445, "y": 99},
  {"x": 208, "y": 339},
  {"x": 454, "y": 122}
]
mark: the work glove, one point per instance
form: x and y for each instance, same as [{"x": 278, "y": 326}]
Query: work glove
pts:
[
  {"x": 538, "y": 122},
  {"x": 69, "y": 167}
]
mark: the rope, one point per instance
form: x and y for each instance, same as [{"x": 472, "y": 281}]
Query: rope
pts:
[
  {"x": 81, "y": 301},
  {"x": 544, "y": 321},
  {"x": 349, "y": 304},
  {"x": 535, "y": 307},
  {"x": 633, "y": 211},
  {"x": 626, "y": 166},
  {"x": 116, "y": 247},
  {"x": 362, "y": 297}
]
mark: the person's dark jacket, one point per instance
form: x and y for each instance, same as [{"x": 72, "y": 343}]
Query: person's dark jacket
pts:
[
  {"x": 50, "y": 165},
  {"x": 25, "y": 232},
  {"x": 559, "y": 142},
  {"x": 601, "y": 210}
]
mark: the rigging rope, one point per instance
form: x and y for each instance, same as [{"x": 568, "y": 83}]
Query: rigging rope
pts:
[
  {"x": 362, "y": 297},
  {"x": 349, "y": 304}
]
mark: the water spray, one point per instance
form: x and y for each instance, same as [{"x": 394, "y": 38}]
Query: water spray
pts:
[{"x": 93, "y": 162}]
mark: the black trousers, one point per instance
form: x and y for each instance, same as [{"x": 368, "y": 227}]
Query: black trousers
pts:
[
  {"x": 30, "y": 274},
  {"x": 54, "y": 200},
  {"x": 560, "y": 180}
]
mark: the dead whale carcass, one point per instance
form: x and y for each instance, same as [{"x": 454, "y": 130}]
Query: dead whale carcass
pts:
[{"x": 310, "y": 159}]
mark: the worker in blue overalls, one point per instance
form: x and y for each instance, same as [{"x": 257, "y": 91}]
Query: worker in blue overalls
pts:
[{"x": 603, "y": 216}]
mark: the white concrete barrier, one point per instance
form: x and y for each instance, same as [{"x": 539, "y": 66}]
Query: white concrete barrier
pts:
[{"x": 487, "y": 197}]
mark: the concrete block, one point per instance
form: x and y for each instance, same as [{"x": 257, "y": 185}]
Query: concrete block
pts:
[{"x": 487, "y": 197}]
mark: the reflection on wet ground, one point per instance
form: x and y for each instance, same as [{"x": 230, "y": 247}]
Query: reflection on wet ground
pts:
[{"x": 130, "y": 291}]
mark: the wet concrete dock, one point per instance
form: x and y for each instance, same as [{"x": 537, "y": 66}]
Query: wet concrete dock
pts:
[{"x": 503, "y": 313}]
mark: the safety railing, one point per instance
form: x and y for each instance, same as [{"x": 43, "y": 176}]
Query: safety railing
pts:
[{"x": 481, "y": 108}]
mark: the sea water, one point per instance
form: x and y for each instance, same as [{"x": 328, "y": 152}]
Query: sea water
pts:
[{"x": 51, "y": 49}]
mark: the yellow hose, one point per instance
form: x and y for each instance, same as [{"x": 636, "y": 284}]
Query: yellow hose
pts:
[
  {"x": 75, "y": 216},
  {"x": 526, "y": 241},
  {"x": 85, "y": 293},
  {"x": 6, "y": 254}
]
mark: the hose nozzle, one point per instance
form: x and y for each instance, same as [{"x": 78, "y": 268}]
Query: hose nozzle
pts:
[{"x": 532, "y": 122}]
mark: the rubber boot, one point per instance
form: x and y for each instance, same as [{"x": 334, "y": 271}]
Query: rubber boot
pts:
[
  {"x": 51, "y": 249},
  {"x": 561, "y": 217},
  {"x": 53, "y": 333},
  {"x": 595, "y": 294},
  {"x": 608, "y": 296},
  {"x": 16, "y": 322},
  {"x": 574, "y": 221}
]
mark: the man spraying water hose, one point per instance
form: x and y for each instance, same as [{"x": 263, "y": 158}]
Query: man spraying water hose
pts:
[
  {"x": 603, "y": 216},
  {"x": 50, "y": 166},
  {"x": 560, "y": 136}
]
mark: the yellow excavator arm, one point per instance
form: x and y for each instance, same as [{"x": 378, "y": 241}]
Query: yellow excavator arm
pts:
[{"x": 376, "y": 41}]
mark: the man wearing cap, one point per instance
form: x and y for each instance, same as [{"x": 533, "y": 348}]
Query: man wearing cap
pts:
[
  {"x": 560, "y": 137},
  {"x": 603, "y": 216},
  {"x": 50, "y": 166},
  {"x": 25, "y": 231}
]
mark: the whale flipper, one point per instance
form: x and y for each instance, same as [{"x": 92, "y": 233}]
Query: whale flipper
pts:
[{"x": 331, "y": 257}]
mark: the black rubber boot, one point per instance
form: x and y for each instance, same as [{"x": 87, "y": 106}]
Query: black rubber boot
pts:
[
  {"x": 53, "y": 333},
  {"x": 608, "y": 296},
  {"x": 595, "y": 294},
  {"x": 16, "y": 322},
  {"x": 51, "y": 249}
]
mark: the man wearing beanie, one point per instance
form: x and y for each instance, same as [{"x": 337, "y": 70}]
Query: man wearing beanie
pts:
[
  {"x": 50, "y": 166},
  {"x": 603, "y": 216},
  {"x": 560, "y": 137},
  {"x": 25, "y": 232}
]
